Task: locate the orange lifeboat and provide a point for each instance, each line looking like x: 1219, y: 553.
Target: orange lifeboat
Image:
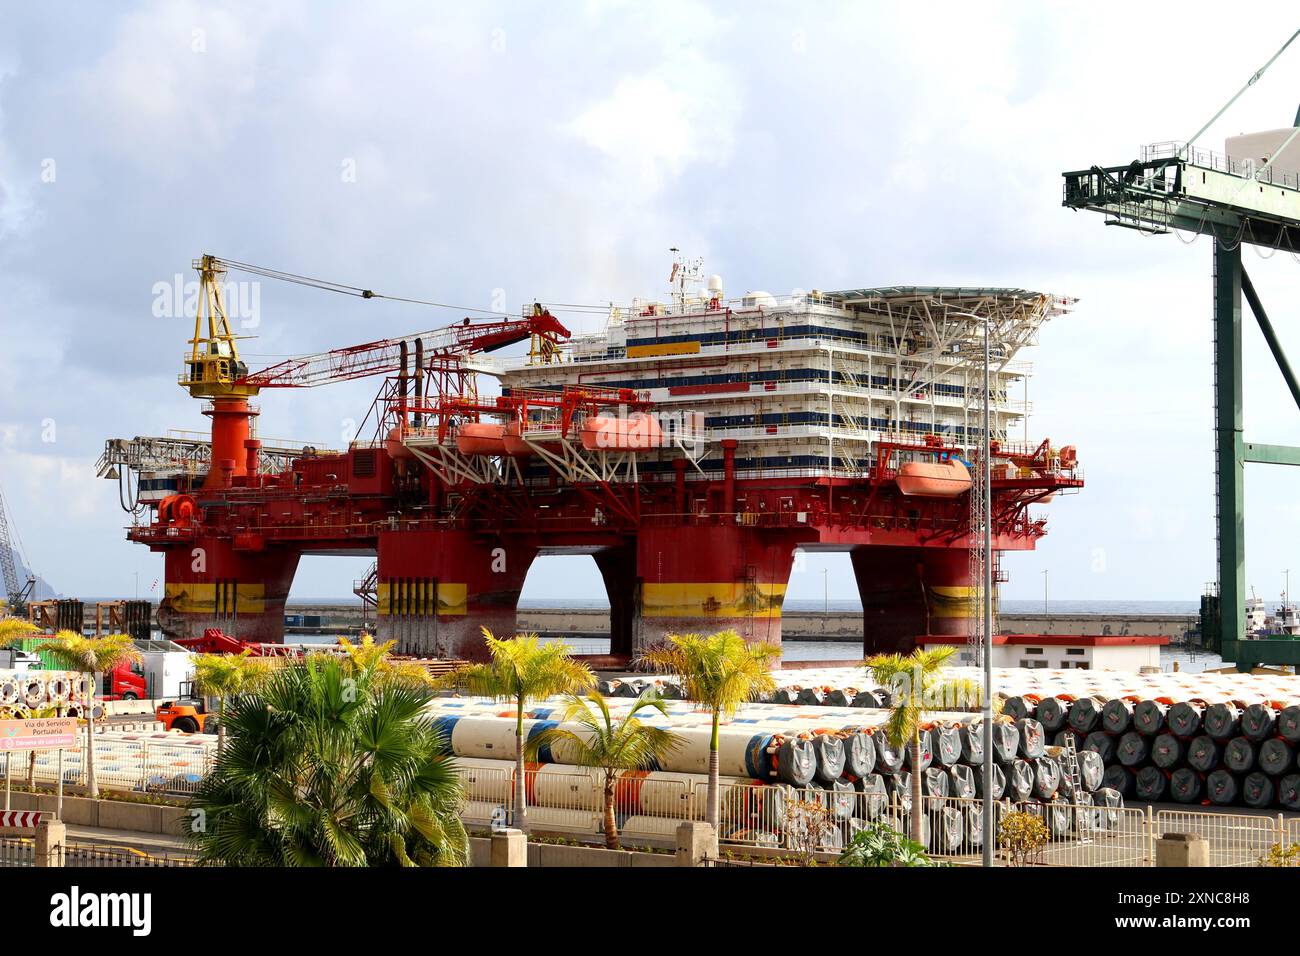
x: 634, y: 433
x: 514, y: 444
x: 481, y: 438
x: 938, y: 479
x: 394, y: 446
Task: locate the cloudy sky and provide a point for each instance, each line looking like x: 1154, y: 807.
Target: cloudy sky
x: 493, y: 153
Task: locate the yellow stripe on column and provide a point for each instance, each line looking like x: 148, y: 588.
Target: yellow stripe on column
x: 705, y: 599
x: 951, y: 602
x: 453, y: 599
x: 201, y: 597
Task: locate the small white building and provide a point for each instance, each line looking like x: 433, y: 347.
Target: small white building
x: 1102, y: 652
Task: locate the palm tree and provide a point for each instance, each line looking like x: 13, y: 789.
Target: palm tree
x: 369, y: 654
x: 522, y: 668
x: 224, y: 676
x: 14, y: 629
x: 328, y: 765
x: 720, y: 671
x: 91, y: 655
x: 913, y: 681
x: 609, y: 746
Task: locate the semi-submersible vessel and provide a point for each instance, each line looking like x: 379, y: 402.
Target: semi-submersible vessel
x: 691, y: 446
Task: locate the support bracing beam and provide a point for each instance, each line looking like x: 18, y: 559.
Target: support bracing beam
x: 1272, y: 454
x: 1265, y: 326
x: 1229, y: 450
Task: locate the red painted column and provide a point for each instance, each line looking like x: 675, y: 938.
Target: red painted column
x: 210, y: 583
x: 231, y: 422
x: 708, y: 578
x: 910, y: 592
x: 439, y: 588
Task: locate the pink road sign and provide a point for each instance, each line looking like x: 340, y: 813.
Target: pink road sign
x: 38, y: 733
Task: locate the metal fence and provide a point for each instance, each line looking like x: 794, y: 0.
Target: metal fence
x: 570, y: 800
x: 17, y: 851
x: 146, y: 765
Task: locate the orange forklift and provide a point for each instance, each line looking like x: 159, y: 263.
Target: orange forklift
x: 189, y: 713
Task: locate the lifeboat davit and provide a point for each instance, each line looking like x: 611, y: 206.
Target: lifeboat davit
x: 937, y: 479
x: 634, y: 433
x: 514, y: 443
x: 481, y: 438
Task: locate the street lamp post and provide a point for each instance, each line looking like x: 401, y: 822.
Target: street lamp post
x: 1045, y: 611
x: 990, y: 836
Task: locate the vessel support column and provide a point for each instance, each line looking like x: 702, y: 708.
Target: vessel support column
x: 1229, y: 451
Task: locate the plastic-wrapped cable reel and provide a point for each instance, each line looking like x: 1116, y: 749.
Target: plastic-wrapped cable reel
x: 1288, y: 724
x: 812, y: 696
x: 1151, y: 784
x: 1184, y: 718
x: 1053, y: 712
x: 1102, y: 744
x: 1117, y: 716
x: 1258, y: 722
x: 946, y: 830
x: 1032, y: 740
x: 866, y: 698
x: 1087, y: 818
x: 974, y: 815
x: 1120, y: 779
x: 999, y: 782
x: 840, y: 799
x: 1222, y: 721
x: 1257, y: 791
x: 934, y: 782
x: 972, y: 743
x: 1276, y: 756
x: 1167, y: 751
x: 927, y: 752
x: 1110, y: 803
x: 1204, y: 754
x: 1062, y: 738
x: 1239, y: 755
x: 1059, y: 817
x: 1091, y: 770
x: 946, y: 743
x: 889, y: 759
x: 1084, y: 715
x: 1020, y: 780
x: 830, y: 757
x: 1186, y: 785
x: 839, y: 697
x: 1288, y: 791
x: 1016, y: 707
x: 900, y: 790
x: 1047, y: 778
x: 783, y: 695
x: 1222, y: 788
x: 1132, y: 749
x: 1006, y: 742
x: 961, y: 781
x: 1149, y: 717
x: 859, y: 753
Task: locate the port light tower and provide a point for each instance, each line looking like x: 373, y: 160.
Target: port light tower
x: 1236, y: 201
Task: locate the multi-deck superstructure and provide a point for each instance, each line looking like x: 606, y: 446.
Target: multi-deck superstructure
x: 692, y: 447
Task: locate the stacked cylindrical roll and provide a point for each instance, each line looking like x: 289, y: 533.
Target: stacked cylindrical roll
x: 25, y: 693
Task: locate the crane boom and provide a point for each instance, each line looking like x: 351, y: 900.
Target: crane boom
x: 384, y: 356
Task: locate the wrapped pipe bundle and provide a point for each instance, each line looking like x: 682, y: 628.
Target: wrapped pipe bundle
x: 889, y: 759
x: 1062, y: 738
x: 1006, y: 742
x: 1102, y: 744
x: 866, y: 698
x: 1276, y: 757
x: 1020, y: 779
x: 1059, y: 818
x: 1288, y: 724
x: 961, y: 781
x: 829, y: 750
x: 840, y: 697
x: 1258, y: 722
x: 840, y: 798
x: 1204, y: 754
x: 1120, y: 779
x: 1018, y: 706
x: 1053, y: 712
x: 1288, y: 791
x: 1186, y: 785
x: 1085, y: 714
x: 999, y: 782
x: 796, y: 761
x: 1222, y: 721
x: 1091, y: 770
x: 1117, y: 716
x: 947, y: 830
x: 1167, y: 751
x: 900, y: 790
x: 1109, y: 802
x: 946, y: 742
x: 1152, y: 784
x: 1087, y: 818
x: 1149, y: 717
x: 1257, y: 790
x: 1047, y: 778
x: 783, y: 695
x: 1239, y: 755
x: 873, y: 797
x: 1132, y: 749
x: 1031, y: 738
x: 927, y: 752
x: 974, y: 820
x: 811, y: 695
x: 1222, y: 788
x: 934, y: 782
x: 859, y: 753
x: 1184, y: 718
x: 972, y: 743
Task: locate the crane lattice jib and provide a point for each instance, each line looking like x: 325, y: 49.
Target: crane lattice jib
x: 385, y: 356
x: 12, y: 591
